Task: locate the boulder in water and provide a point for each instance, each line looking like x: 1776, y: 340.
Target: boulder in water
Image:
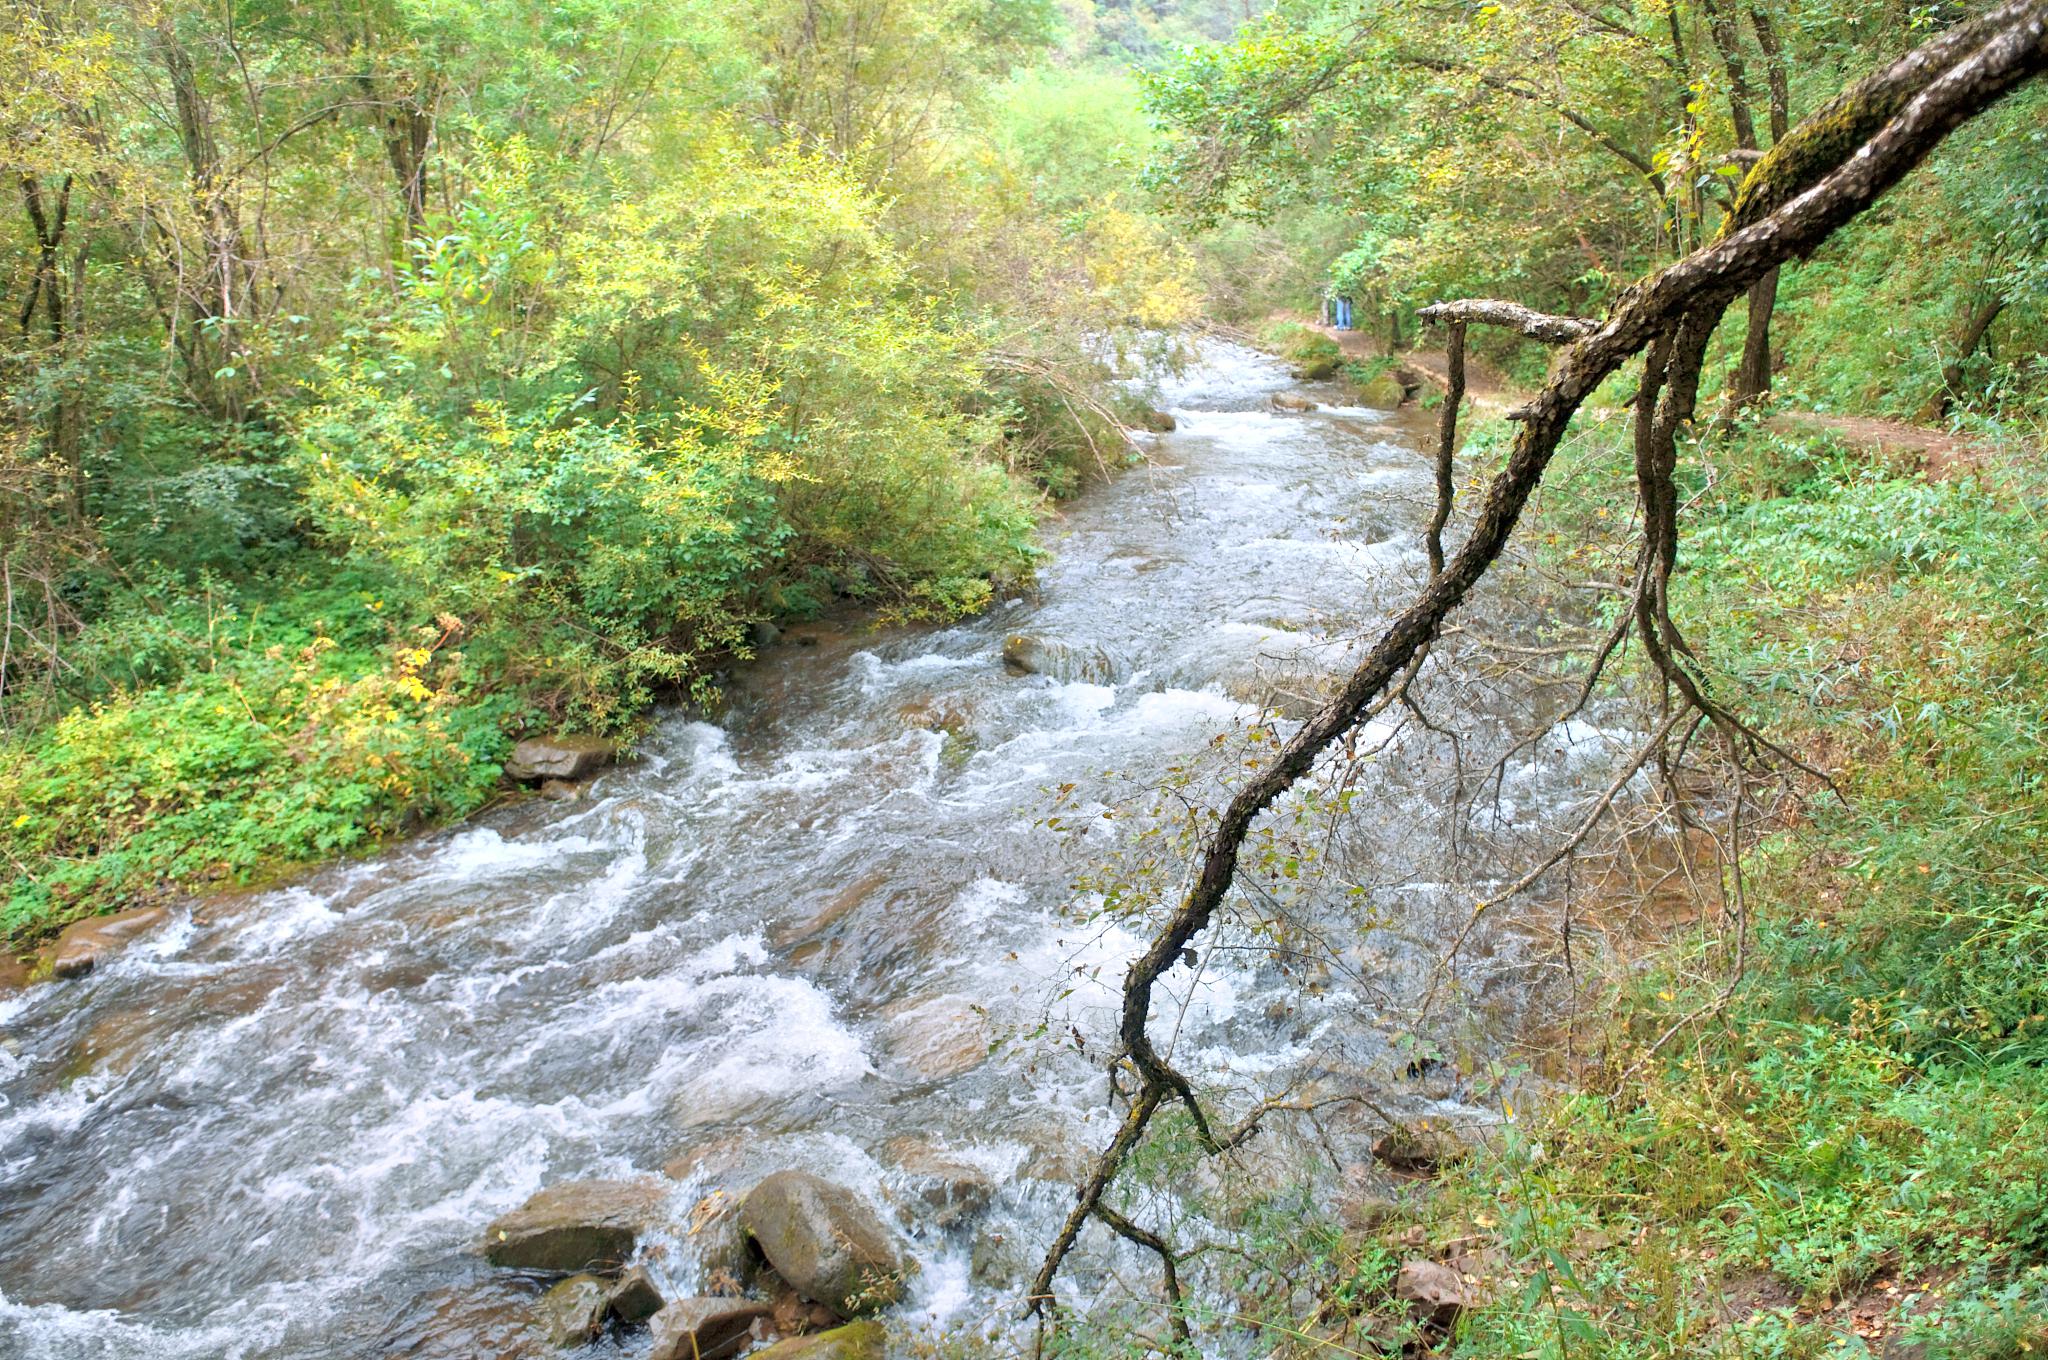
x: 826, y: 1242
x: 708, y: 1328
x: 1159, y: 422
x: 1383, y: 393
x: 855, y: 1341
x: 634, y: 1299
x: 566, y: 757
x: 572, y: 1313
x: 84, y: 944
x: 1292, y: 401
x: 575, y: 1226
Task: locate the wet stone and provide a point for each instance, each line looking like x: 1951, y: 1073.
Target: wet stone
x: 708, y: 1328
x: 951, y: 1188
x: 856, y: 1341
x: 575, y: 1226
x: 826, y: 1242
x: 84, y: 945
x: 565, y: 757
x: 1290, y: 401
x: 634, y: 1299
x: 572, y: 1313
x: 937, y: 1038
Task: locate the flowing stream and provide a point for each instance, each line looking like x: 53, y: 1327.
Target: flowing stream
x: 277, y: 1126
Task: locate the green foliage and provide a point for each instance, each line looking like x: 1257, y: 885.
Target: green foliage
x: 584, y: 340
x: 275, y: 745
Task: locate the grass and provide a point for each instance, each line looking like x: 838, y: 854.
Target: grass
x: 1854, y: 1146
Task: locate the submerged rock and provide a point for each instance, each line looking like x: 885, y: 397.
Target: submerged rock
x: 1062, y: 661
x: 951, y: 1188
x: 571, y: 757
x: 826, y: 1242
x: 855, y: 1341
x: 489, y: 1318
x: 708, y: 1328
x: 1291, y: 401
x: 84, y: 944
x: 572, y: 1313
x: 937, y: 1038
x: 575, y: 1226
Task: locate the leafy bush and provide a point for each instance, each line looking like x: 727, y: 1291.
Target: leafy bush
x: 279, y: 747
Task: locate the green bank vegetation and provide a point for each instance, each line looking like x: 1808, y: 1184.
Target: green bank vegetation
x: 393, y: 379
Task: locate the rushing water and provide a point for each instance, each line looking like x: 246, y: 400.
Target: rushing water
x: 276, y: 1127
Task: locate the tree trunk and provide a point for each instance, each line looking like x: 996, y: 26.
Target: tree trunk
x: 1973, y: 334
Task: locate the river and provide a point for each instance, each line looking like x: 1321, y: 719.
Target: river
x: 276, y: 1127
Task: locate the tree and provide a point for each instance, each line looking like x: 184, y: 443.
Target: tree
x: 1819, y: 177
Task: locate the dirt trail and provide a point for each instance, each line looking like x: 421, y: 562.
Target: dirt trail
x: 1940, y: 454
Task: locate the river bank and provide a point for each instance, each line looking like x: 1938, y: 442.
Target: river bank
x: 837, y: 919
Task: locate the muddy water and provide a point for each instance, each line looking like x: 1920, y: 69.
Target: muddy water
x: 276, y: 1127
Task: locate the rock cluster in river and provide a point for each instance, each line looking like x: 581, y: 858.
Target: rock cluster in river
x: 824, y: 1260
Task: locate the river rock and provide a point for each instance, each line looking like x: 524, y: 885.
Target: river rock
x: 1062, y: 661
x: 708, y: 1328
x: 935, y: 715
x: 795, y: 1315
x: 575, y: 1226
x: 14, y: 974
x: 1159, y: 422
x: 1419, y: 1146
x: 560, y: 790
x: 855, y: 1341
x: 1291, y: 401
x: 937, y: 1038
x: 491, y: 1318
x: 634, y: 1299
x: 84, y: 944
x: 568, y: 757
x: 572, y: 1313
x: 951, y: 1188
x: 1383, y: 393
x: 1318, y: 367
x: 826, y: 1242
x: 1434, y: 1292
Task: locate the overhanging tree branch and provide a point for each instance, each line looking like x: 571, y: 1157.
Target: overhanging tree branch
x: 1817, y: 179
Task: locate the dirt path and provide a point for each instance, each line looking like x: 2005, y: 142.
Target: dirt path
x: 1939, y: 454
